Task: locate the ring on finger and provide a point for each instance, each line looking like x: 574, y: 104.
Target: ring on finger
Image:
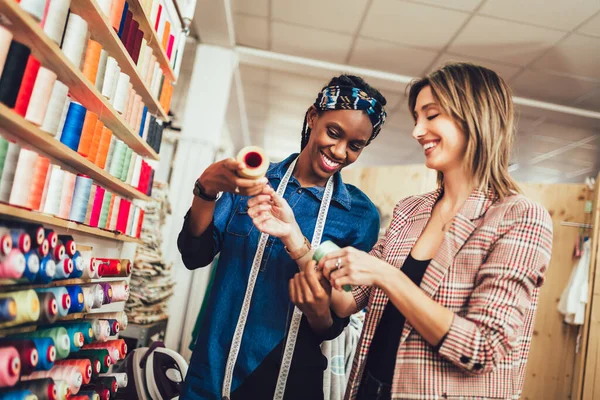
x: 338, y: 263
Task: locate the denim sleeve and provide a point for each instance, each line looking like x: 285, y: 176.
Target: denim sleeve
x: 367, y: 238
x: 199, y: 251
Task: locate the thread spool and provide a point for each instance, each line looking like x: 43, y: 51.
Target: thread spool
x: 102, y: 330
x: 8, y: 310
x: 71, y: 133
x: 28, y: 353
x: 113, y: 351
x: 91, y: 61
x: 63, y: 300
x: 104, y: 147
x: 12, y: 75
x: 111, y: 76
x: 48, y: 308
x: 12, y: 266
x: 120, y: 316
x: 87, y: 133
x: 81, y: 198
x: 47, y: 270
x: 88, y: 395
x: 100, y: 75
x: 56, y: 18
x: 83, y: 365
x: 10, y: 366
x: 255, y: 160
x: 52, y: 196
x: 98, y: 296
x: 59, y: 335
x: 88, y: 298
x: 18, y: 395
x: 28, y: 80
x: 5, y: 39
x: 32, y: 266
x: 46, y: 352
x: 78, y: 265
x: 3, y: 151
x: 66, y: 196
x: 95, y: 143
x: 89, y: 268
x: 62, y: 389
x: 109, y: 383
x: 129, y: 102
x: 75, y: 39
x: 6, y: 243
x: 114, y: 326
x: 8, y: 171
x: 69, y: 243
x: 325, y: 248
x: 42, y: 388
x: 105, y: 209
x: 96, y: 207
x: 126, y: 162
x: 68, y: 373
x: 20, y: 240
x: 121, y: 92
x: 120, y: 291
x: 23, y: 178
x: 111, y: 267
x: 85, y: 327
x: 76, y: 339
x: 56, y: 104
x: 28, y: 307
x: 35, y: 8
x: 38, y: 182
x: 101, y: 355
x: 118, y: 158
x: 77, y: 299
x: 63, y: 118
x: 110, y: 152
x: 108, y: 292
x: 40, y: 96
x: 114, y: 213
x: 43, y: 249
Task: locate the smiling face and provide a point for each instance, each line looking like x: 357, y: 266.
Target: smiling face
x: 337, y: 138
x: 444, y: 143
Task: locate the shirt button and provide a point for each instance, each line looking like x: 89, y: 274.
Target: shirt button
x: 464, y: 359
x: 299, y: 191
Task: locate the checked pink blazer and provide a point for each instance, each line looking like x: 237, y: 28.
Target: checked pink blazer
x: 488, y: 271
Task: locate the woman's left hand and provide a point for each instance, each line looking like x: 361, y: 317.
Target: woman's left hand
x: 349, y: 266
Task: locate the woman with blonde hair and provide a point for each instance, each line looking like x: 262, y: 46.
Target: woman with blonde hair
x: 452, y: 286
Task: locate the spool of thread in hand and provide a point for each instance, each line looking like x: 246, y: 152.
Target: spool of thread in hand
x: 29, y: 76
x: 48, y: 307
x: 120, y: 291
x: 23, y: 178
x: 325, y: 248
x: 60, y: 337
x: 75, y: 39
x: 8, y: 310
x: 47, y: 270
x: 38, y: 182
x: 81, y: 198
x: 83, y: 365
x: 5, y: 39
x: 71, y: 133
x: 56, y: 18
x: 12, y: 266
x: 10, y: 366
x: 56, y: 104
x: 42, y: 388
x: 46, y: 352
x: 21, y: 240
x: 63, y: 300
x: 255, y: 160
x: 32, y: 266
x: 77, y: 300
x: 28, y: 353
x: 40, y: 96
x: 12, y: 75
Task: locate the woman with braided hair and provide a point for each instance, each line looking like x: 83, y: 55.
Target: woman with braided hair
x: 252, y: 342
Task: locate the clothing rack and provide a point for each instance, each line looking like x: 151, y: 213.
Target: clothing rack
x: 577, y: 224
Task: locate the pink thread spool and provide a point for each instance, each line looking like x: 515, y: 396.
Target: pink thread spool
x: 13, y: 265
x: 10, y: 366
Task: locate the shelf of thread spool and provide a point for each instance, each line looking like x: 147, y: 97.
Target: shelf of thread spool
x: 16, y: 127
x: 152, y: 38
x: 8, y: 284
x: 27, y: 30
x: 7, y: 211
x: 104, y: 33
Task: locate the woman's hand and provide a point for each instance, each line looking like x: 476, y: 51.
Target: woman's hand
x: 272, y: 215
x: 311, y: 293
x: 222, y: 177
x: 349, y: 266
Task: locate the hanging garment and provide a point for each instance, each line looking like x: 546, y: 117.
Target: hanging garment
x: 575, y: 295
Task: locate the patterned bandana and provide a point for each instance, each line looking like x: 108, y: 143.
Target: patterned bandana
x: 347, y: 98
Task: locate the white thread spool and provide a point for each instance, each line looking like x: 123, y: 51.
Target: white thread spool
x: 55, y: 108
x: 146, y: 127
x: 137, y: 169
x: 89, y: 266
x: 103, y: 330
x: 135, y: 221
x: 156, y: 80
x: 120, y: 291
x: 113, y: 89
x: 49, y: 199
x: 113, y: 218
x: 130, y: 219
x: 129, y: 104
x: 54, y: 26
x: 8, y: 172
x: 120, y: 377
x: 132, y: 165
x: 35, y: 8
x: 137, y: 104
x: 149, y: 71
x: 81, y: 198
x: 145, y: 64
x: 98, y: 293
x: 23, y: 177
x: 40, y: 96
x: 122, y: 92
x: 5, y: 39
x: 88, y: 298
x: 66, y: 196
x: 142, y: 55
x: 111, y: 75
x: 63, y: 118
x: 105, y: 7
x: 75, y: 39
x: 101, y: 70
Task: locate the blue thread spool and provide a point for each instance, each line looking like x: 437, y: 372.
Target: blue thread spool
x: 46, y: 353
x: 8, y: 309
x: 63, y: 299
x: 82, y: 326
x: 77, y: 299
x: 141, y: 132
x: 81, y: 198
x: 47, y: 270
x: 78, y: 265
x: 18, y: 395
x: 114, y: 326
x: 21, y: 240
x: 73, y: 126
x: 32, y: 266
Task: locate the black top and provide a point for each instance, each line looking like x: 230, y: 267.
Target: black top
x: 384, y: 347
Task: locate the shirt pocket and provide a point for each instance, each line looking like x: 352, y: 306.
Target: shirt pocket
x: 240, y: 223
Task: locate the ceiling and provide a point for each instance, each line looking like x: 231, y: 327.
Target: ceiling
x: 547, y: 50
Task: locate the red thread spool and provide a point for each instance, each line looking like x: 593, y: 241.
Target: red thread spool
x: 22, y: 242
x: 52, y: 238
x: 28, y: 353
x: 31, y: 71
x: 58, y: 252
x: 109, y: 266
x: 256, y: 161
x: 69, y: 243
x: 84, y: 366
x: 6, y: 243
x: 44, y: 248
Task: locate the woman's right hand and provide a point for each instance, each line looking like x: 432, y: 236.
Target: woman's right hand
x: 272, y: 215
x: 222, y: 177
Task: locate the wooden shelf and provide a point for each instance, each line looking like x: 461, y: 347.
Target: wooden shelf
x: 152, y: 38
x: 28, y: 31
x: 13, y: 126
x: 45, y: 219
x: 23, y: 284
x: 103, y: 32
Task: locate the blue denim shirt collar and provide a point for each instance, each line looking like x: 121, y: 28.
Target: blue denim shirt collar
x: 340, y: 191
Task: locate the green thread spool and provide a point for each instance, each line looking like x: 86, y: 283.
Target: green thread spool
x: 105, y: 209
x: 82, y: 326
x: 118, y: 157
x: 127, y: 161
x: 325, y: 248
x: 3, y: 152
x: 62, y: 343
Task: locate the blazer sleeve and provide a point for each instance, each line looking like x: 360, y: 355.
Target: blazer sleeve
x: 506, y: 287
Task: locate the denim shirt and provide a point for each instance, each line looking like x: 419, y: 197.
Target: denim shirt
x: 352, y: 220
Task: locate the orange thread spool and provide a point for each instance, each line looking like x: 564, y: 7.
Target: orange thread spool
x: 87, y: 133
x: 91, y: 61
x: 103, y: 147
x: 40, y: 172
x: 95, y: 144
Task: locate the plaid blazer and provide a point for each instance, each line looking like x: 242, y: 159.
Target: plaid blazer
x: 488, y: 271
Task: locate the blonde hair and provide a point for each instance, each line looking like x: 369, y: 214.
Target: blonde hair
x: 480, y: 103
